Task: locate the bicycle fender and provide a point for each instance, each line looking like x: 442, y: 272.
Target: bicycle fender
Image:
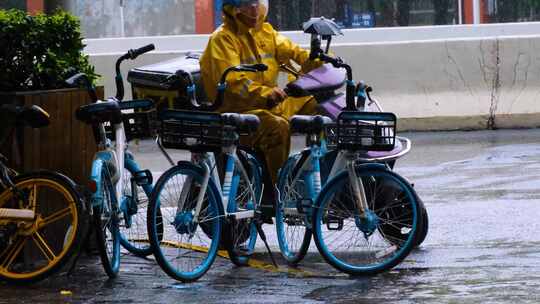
x: 371, y: 166
x: 100, y: 160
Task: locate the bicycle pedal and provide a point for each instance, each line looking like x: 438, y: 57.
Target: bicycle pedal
x: 304, y: 205
x: 243, y: 252
x: 334, y: 224
x: 142, y: 178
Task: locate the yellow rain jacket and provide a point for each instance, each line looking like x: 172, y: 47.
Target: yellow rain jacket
x: 234, y: 43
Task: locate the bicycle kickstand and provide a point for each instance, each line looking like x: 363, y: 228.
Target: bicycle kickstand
x: 260, y: 231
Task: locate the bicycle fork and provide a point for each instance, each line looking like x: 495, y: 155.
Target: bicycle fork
x: 366, y: 220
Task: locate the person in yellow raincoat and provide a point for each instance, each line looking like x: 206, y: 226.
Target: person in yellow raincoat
x: 245, y: 38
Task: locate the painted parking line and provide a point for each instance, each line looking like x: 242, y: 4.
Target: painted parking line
x: 253, y: 263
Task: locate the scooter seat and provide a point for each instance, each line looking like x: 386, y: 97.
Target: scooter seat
x: 244, y: 123
x: 99, y: 112
x: 305, y: 124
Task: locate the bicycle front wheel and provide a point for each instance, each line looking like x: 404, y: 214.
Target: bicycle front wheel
x: 362, y: 243
x: 133, y: 228
x: 292, y: 222
x: 184, y: 243
x: 106, y: 224
x: 33, y: 250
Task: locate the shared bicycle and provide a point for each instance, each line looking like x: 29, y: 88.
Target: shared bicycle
x: 41, y: 212
x: 119, y: 188
x: 198, y: 207
x: 364, y: 218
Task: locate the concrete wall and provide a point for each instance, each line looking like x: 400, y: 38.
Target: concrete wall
x: 440, y: 83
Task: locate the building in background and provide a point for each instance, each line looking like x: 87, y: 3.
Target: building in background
x: 129, y: 18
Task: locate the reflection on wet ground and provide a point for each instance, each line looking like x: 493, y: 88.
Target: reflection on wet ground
x: 482, y: 192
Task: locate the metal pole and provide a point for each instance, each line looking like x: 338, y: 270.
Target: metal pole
x: 476, y: 11
x: 122, y: 25
x: 460, y: 11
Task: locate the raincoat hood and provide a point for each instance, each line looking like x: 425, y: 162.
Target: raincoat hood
x: 231, y: 20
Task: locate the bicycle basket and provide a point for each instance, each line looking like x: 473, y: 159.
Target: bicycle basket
x: 365, y: 131
x: 188, y: 130
x: 140, y: 124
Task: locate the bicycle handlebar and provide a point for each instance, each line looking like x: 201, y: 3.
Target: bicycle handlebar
x: 131, y: 54
x: 81, y: 79
x: 221, y: 86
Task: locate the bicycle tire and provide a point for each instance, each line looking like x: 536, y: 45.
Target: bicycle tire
x: 168, y: 226
x: 106, y: 224
x: 393, y: 230
x: 241, y: 236
x: 53, y: 186
x: 135, y: 238
x: 291, y: 250
x: 333, y: 207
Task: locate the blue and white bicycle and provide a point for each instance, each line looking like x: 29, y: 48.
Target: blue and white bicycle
x: 364, y: 218
x: 120, y: 189
x: 196, y: 209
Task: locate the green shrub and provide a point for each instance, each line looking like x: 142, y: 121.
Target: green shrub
x: 40, y: 52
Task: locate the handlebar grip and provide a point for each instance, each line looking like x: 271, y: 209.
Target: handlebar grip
x: 261, y: 67
x: 76, y: 79
x: 137, y: 52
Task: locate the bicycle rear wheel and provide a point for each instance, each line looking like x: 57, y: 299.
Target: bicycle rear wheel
x: 185, y: 246
x: 31, y: 251
x: 293, y: 228
x: 106, y: 224
x: 360, y: 245
x: 133, y: 228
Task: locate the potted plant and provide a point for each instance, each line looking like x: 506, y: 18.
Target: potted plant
x: 38, y: 53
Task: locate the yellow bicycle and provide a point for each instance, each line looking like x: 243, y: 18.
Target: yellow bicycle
x: 40, y: 212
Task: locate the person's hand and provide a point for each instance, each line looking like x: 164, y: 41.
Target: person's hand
x: 276, y: 97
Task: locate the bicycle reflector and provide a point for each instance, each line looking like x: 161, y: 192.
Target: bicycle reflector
x: 92, y: 186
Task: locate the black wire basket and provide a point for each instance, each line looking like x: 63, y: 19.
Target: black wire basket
x: 362, y: 131
x: 188, y: 130
x: 140, y: 123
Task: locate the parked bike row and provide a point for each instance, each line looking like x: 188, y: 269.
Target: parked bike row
x: 339, y: 191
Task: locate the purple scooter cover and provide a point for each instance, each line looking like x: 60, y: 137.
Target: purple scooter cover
x: 324, y: 78
x: 333, y: 106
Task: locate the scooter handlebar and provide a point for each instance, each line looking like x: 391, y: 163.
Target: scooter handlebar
x: 132, y: 54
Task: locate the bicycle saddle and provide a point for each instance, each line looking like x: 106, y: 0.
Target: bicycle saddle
x: 32, y: 116
x: 136, y: 104
x: 99, y: 112
x: 306, y: 124
x: 244, y: 123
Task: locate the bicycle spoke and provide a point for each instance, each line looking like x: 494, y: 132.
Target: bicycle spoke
x: 43, y: 247
x: 58, y: 215
x: 12, y: 252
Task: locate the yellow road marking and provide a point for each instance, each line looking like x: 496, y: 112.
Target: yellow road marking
x: 253, y: 263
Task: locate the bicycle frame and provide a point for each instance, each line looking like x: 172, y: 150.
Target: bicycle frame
x: 109, y: 155
x: 345, y: 160
x: 227, y: 191
x: 7, y: 185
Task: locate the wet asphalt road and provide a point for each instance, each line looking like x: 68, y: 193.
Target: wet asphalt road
x: 482, y: 192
